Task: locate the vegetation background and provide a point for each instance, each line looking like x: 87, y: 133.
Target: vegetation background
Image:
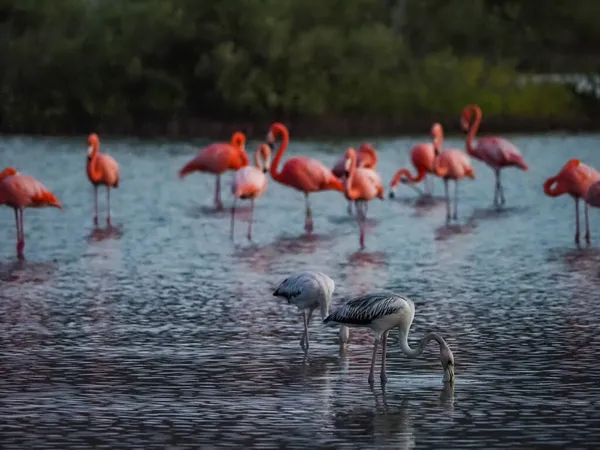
x: 185, y: 67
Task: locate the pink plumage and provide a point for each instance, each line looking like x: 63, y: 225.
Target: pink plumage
x: 102, y: 170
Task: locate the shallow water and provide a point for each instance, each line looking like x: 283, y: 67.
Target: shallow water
x: 163, y: 333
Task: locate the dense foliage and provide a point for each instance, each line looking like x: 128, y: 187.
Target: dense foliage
x: 69, y: 64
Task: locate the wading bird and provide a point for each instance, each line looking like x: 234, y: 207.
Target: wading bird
x: 102, y: 169
x: 217, y: 159
x: 250, y: 183
x: 361, y: 186
x: 382, y: 311
x: 308, y: 291
x: 574, y: 179
x: 496, y: 152
x: 366, y: 158
x: 304, y: 174
x: 19, y: 192
x: 422, y: 157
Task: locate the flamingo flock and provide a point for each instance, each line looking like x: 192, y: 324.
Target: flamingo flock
x: 354, y: 174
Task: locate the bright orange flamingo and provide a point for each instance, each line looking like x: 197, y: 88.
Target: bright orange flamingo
x: 423, y: 158
x: 250, y: 182
x: 574, y: 179
x: 496, y: 152
x: 452, y: 164
x: 367, y: 158
x: 102, y: 169
x: 304, y: 174
x: 361, y: 186
x: 19, y: 192
x: 217, y: 159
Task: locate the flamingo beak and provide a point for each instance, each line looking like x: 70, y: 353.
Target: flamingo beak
x: 90, y: 150
x: 464, y: 124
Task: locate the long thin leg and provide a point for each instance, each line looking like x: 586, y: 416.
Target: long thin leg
x: 500, y: 189
x: 577, y: 221
x: 304, y: 340
x: 350, y: 207
x: 362, y: 223
x: 251, y: 219
x: 447, y: 200
x: 233, y: 216
x: 496, y: 189
x: 21, y: 243
x: 308, y: 222
x: 18, y: 227
x: 107, y: 205
x: 95, y: 205
x: 383, y: 355
x: 587, y: 224
x: 218, y: 203
x: 373, y: 360
x: 455, y: 199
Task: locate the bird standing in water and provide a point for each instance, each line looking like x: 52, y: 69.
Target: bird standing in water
x: 102, y: 169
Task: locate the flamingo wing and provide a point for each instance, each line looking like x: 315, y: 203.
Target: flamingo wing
x: 499, y: 152
x: 249, y: 182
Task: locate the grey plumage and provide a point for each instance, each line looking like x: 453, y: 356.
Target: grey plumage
x: 362, y: 310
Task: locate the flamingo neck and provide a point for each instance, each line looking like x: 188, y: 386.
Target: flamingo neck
x: 350, y: 178
x: 553, y: 187
x: 95, y: 173
x: 473, y: 130
x: 285, y: 140
x: 9, y: 171
x: 408, y: 176
x: 416, y: 352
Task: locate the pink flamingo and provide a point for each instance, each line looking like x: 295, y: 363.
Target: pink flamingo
x: 102, y: 169
x: 576, y: 180
x: 361, y: 186
x: 217, y: 159
x: 451, y: 164
x: 367, y: 158
x: 19, y: 192
x: 304, y: 174
x: 496, y: 152
x: 423, y: 158
x: 250, y: 182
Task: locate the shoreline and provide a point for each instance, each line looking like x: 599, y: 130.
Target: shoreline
x: 312, y: 128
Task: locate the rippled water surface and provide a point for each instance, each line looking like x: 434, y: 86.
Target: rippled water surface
x: 163, y: 333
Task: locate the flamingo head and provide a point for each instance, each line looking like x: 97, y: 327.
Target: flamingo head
x: 349, y: 157
x: 437, y: 134
x: 263, y: 158
x: 93, y: 143
x: 238, y: 139
x: 469, y: 113
x: 278, y: 131
x: 8, y: 172
x: 447, y: 359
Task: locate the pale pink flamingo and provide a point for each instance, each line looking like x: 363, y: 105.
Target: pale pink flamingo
x: 451, y: 164
x: 102, y: 169
x: 304, y: 174
x: 422, y: 157
x: 217, y: 159
x: 361, y: 186
x: 496, y: 152
x: 19, y: 192
x: 250, y: 182
x: 366, y: 157
x: 574, y: 179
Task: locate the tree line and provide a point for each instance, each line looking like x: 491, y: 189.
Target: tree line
x: 70, y: 65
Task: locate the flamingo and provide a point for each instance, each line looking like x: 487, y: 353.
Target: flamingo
x: 451, y: 164
x: 592, y: 197
x: 576, y: 180
x: 304, y: 174
x: 19, y: 192
x: 381, y: 311
x: 217, y: 159
x: 496, y: 152
x: 367, y: 158
x: 250, y: 182
x: 308, y: 291
x: 361, y: 186
x: 423, y: 158
x: 102, y: 169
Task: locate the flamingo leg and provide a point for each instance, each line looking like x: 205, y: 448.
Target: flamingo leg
x: 18, y: 227
x: 447, y: 200
x: 383, y: 356
x: 251, y: 219
x: 375, y: 343
x: 587, y: 224
x: 95, y: 205
x: 21, y: 232
x: 308, y: 222
x: 360, y: 219
x: 304, y: 340
x: 500, y: 189
x: 577, y: 221
x: 455, y: 199
x: 218, y: 203
x: 350, y: 207
x: 107, y: 205
x: 233, y: 216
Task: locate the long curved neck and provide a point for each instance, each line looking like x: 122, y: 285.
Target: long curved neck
x: 438, y: 168
x: 285, y: 140
x: 258, y: 160
x: 410, y: 177
x: 367, y: 156
x: 553, y: 187
x: 473, y: 130
x: 415, y: 352
x: 350, y: 178
x: 9, y: 171
x: 95, y: 173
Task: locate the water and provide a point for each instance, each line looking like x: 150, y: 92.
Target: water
x: 164, y: 333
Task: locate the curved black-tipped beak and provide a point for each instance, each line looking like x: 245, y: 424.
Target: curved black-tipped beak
x: 271, y: 145
x: 265, y: 170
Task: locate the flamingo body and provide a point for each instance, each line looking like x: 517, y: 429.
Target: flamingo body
x: 453, y: 164
x: 19, y: 192
x: 592, y: 198
x: 102, y: 170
